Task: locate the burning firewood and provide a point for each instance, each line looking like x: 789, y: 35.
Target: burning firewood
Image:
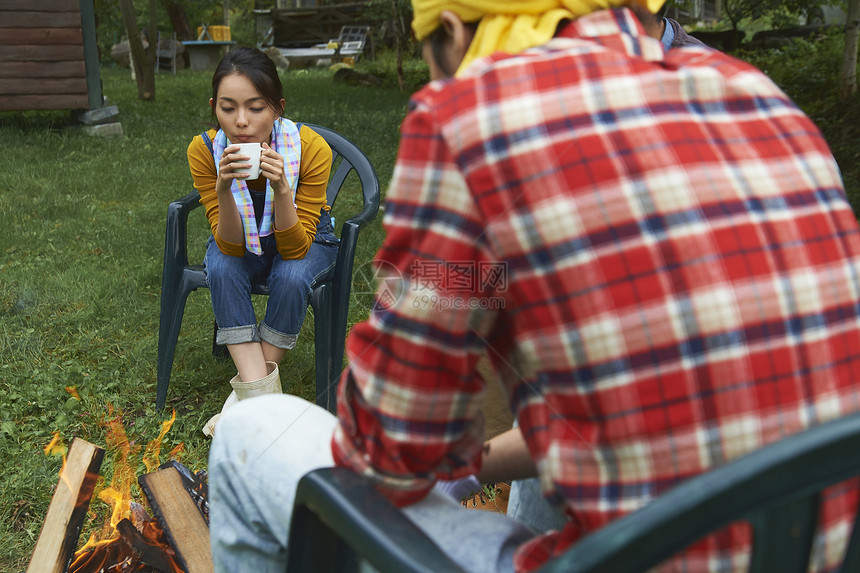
x: 131, y: 541
x: 62, y: 525
x: 181, y: 517
x: 152, y: 552
x: 139, y: 546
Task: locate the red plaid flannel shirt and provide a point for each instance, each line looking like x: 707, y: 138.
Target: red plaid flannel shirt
x: 656, y: 253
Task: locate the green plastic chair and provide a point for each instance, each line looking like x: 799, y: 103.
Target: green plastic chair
x: 329, y: 299
x: 339, y: 516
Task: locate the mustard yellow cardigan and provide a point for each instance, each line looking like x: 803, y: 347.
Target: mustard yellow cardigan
x: 293, y: 243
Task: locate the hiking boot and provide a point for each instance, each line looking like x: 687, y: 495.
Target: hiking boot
x: 491, y: 497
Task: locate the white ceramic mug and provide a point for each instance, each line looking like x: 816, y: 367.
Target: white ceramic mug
x: 253, y: 150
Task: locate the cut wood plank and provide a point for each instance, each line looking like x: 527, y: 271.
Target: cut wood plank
x: 34, y: 19
x: 183, y: 525
x: 41, y: 53
x: 43, y: 86
x: 62, y: 526
x: 65, y: 101
x: 43, y: 5
x: 27, y: 70
x: 40, y: 36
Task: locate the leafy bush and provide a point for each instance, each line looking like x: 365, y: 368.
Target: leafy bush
x: 808, y: 71
x: 415, y: 71
x: 390, y: 21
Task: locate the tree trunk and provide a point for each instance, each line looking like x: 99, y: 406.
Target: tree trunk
x: 178, y: 19
x: 848, y: 79
x: 151, y: 57
x: 398, y: 42
x: 142, y: 60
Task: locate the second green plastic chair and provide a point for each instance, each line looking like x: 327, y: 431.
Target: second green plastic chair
x: 329, y: 300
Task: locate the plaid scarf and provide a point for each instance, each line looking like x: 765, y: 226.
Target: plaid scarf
x: 288, y: 144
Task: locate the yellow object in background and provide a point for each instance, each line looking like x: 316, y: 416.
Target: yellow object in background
x: 220, y: 33
x: 214, y: 33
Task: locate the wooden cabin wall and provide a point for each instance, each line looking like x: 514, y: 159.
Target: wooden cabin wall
x: 43, y: 56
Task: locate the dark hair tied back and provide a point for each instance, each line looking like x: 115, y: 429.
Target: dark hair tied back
x: 258, y: 68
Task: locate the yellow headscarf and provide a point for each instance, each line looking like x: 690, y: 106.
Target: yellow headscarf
x: 510, y: 26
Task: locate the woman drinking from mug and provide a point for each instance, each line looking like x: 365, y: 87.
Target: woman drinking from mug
x: 275, y: 228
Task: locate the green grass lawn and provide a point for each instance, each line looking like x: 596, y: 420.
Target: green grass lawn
x: 81, y: 255
x: 80, y: 276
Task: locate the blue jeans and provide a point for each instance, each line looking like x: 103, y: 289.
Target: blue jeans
x: 290, y: 285
x: 263, y: 447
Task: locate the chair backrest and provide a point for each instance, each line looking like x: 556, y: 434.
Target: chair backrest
x: 353, y: 37
x: 346, y: 157
x: 777, y: 489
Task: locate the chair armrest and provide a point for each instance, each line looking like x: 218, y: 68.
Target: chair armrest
x: 370, y: 206
x: 176, y: 232
x: 356, y: 161
x: 353, y: 513
x: 187, y: 203
x: 367, y: 213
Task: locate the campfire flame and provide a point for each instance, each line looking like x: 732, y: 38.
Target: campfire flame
x: 118, y: 494
x: 129, y: 540
x: 153, y: 448
x: 56, y: 447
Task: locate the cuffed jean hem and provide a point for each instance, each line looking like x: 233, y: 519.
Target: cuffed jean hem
x: 237, y: 334
x: 277, y: 339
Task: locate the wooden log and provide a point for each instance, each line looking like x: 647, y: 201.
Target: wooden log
x: 18, y: 70
x: 182, y: 522
x: 34, y: 19
x: 43, y: 86
x: 64, y: 101
x: 40, y: 36
x: 62, y: 526
x: 41, y: 53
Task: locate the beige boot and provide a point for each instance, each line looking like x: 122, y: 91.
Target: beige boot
x: 270, y: 384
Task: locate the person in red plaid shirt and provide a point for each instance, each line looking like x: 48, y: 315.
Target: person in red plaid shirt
x: 653, y: 248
